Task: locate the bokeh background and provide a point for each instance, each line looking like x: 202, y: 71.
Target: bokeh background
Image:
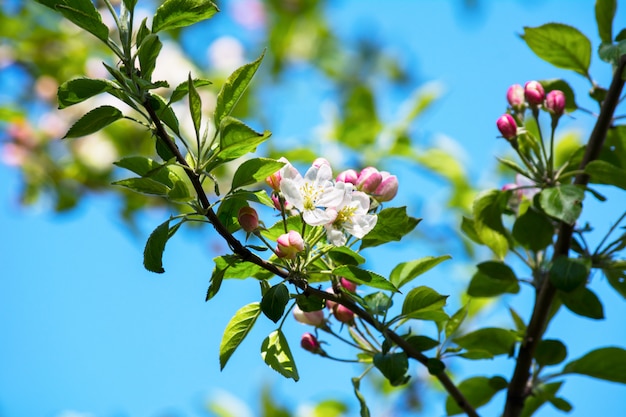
x: 86, y: 331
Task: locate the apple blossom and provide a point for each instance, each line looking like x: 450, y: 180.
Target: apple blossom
x: 313, y: 318
x: 350, y: 215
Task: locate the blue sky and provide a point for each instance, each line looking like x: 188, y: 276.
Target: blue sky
x: 85, y: 328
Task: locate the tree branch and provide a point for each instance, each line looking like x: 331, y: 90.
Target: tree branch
x: 518, y: 386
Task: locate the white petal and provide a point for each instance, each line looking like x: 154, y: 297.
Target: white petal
x: 318, y: 217
x: 291, y: 191
x: 359, y: 226
x: 335, y: 236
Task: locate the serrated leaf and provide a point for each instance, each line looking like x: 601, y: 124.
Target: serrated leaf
x: 237, y: 329
x: 405, y: 272
x: 254, y: 170
x: 237, y: 139
x: 487, y: 209
x: 364, y: 277
x: 179, y: 13
x: 78, y: 90
x: 608, y: 363
x: 563, y: 202
x: 583, y: 302
x: 166, y: 114
x: 392, y: 225
x: 233, y: 89
x: 155, y: 246
x: 550, y: 352
x: 148, y: 52
x: 93, y: 121
x: 491, y: 339
x: 274, y: 302
x: 478, y: 391
x: 276, y: 353
x: 567, y: 274
x: 602, y: 172
x: 605, y: 12
x: 424, y: 303
x: 561, y: 45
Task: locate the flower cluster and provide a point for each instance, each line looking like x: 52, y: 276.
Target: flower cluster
x: 532, y: 95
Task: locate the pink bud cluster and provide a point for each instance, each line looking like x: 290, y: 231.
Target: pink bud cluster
x: 531, y: 95
x: 380, y: 185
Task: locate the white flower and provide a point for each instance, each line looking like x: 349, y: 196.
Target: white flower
x: 312, y: 193
x: 351, y: 216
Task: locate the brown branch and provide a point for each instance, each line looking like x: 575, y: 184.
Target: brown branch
x: 519, y: 387
x: 246, y: 255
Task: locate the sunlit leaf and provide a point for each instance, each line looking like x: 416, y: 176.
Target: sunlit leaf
x: 487, y: 209
x: 605, y: 12
x: 393, y: 224
x: 254, y: 170
x: 362, y: 276
x: 276, y: 353
x: 237, y: 329
x: 602, y: 172
x: 179, y: 13
x: 563, y: 202
x: 78, y: 90
x: 407, y: 271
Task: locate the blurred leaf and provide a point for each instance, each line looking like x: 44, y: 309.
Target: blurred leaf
x: 274, y: 302
x: 617, y: 279
x: 541, y: 394
x: 237, y: 329
x: 155, y: 246
x: 563, y: 202
x: 329, y: 408
x: 276, y: 353
x: 519, y: 322
x: 93, y: 121
x: 561, y: 45
x: 487, y: 209
x: 393, y: 224
x: 491, y: 339
x: 360, y: 125
x: 393, y: 366
x: 179, y: 13
x: 533, y: 230
x: 558, y: 84
x: 407, y: 271
x: 608, y: 363
x: 602, y: 172
x: 550, y: 352
x: 611, y: 53
x: 422, y: 343
x: 378, y: 303
x: 233, y: 89
x: 254, y: 170
x: 364, y: 411
x: 583, y: 302
x: 567, y: 274
x: 478, y: 391
x: 493, y: 278
x: 78, y: 90
x: 362, y: 276
x: 561, y: 404
x: 605, y: 12
x: 455, y: 321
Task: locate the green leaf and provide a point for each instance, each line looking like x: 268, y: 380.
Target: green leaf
x: 392, y: 225
x: 617, y: 279
x: 407, y: 271
x: 567, y: 274
x: 561, y: 404
x: 155, y: 246
x: 455, y: 321
x: 93, y: 121
x: 274, y: 302
x: 493, y: 278
x: 478, y: 391
x: 146, y: 167
x: 360, y: 125
x: 487, y: 209
x: 469, y: 230
x: 608, y: 363
x: 563, y: 202
x: 147, y: 54
x: 84, y: 15
x: 237, y: 139
x: 364, y: 411
x: 362, y: 276
x: 533, y: 230
x: 219, y: 270
x: 541, y: 394
x: 195, y: 107
x: 602, y: 172
x: 550, y: 352
x: 561, y: 45
x: 179, y: 13
x: 422, y: 302
x: 329, y: 408
x: 435, y: 366
x: 378, y: 303
x: 237, y: 329
x: 393, y: 366
x: 491, y: 339
x: 310, y: 303
x: 275, y: 352
x: 144, y: 186
x: 233, y: 89
x: 166, y: 114
x: 254, y: 170
x: 234, y: 267
x: 605, y: 12
x: 422, y: 343
x: 583, y: 302
x: 343, y: 255
x: 558, y: 84
x: 182, y: 89
x: 78, y: 90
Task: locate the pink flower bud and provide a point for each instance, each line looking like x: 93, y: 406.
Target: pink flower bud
x: 248, y: 219
x: 313, y: 318
x: 507, y: 126
x: 343, y: 314
x: 319, y: 162
x: 534, y: 93
x: 274, y: 180
x: 348, y: 285
x: 555, y: 102
x: 286, y: 204
x: 515, y: 96
x: 329, y: 303
x: 310, y: 343
x: 388, y: 187
x: 289, y: 245
x: 369, y: 179
x: 348, y: 175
